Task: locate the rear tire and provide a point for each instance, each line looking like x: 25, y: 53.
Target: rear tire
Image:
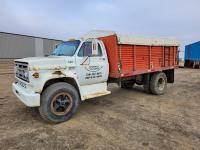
x: 158, y: 83
x: 59, y: 102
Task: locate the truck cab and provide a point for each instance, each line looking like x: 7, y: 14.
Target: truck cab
x: 80, y: 65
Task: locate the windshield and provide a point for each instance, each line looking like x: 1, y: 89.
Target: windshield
x: 66, y: 48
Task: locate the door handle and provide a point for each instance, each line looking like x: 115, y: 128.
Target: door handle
x: 102, y: 59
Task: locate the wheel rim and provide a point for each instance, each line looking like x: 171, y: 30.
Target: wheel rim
x: 61, y: 103
x: 161, y: 84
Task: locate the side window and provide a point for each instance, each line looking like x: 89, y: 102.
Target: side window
x: 99, y: 50
x: 85, y: 50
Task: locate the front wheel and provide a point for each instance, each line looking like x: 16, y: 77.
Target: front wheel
x: 158, y: 83
x: 59, y: 102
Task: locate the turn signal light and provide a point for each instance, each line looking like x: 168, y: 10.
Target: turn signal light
x: 36, y: 75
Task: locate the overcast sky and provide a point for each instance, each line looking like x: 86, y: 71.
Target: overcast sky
x: 64, y: 19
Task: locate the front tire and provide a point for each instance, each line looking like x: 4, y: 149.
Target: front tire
x: 158, y: 83
x: 59, y: 102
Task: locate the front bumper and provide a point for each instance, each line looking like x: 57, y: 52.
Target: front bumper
x: 29, y: 98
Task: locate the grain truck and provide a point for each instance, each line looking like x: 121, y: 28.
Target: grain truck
x: 81, y: 69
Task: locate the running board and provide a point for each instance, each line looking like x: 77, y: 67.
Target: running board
x: 97, y: 94
x: 93, y: 90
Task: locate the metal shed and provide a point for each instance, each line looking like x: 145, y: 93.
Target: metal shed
x: 19, y: 46
x: 192, y: 55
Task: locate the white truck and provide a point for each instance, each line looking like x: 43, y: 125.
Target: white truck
x: 81, y: 69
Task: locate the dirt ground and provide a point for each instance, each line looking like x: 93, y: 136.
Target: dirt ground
x: 126, y: 119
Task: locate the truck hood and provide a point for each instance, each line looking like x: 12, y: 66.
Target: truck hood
x: 43, y: 63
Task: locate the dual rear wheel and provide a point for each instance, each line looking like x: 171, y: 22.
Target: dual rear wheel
x: 158, y: 83
x: 155, y: 84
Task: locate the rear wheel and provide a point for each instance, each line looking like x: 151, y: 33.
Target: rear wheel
x: 158, y: 83
x: 59, y: 102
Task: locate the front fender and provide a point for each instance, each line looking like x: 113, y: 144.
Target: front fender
x: 48, y: 77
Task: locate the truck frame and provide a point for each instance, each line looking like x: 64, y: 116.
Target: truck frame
x: 81, y: 69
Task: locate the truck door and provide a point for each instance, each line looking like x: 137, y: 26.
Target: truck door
x: 92, y: 65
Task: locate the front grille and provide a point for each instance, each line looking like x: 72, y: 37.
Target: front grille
x: 21, y: 71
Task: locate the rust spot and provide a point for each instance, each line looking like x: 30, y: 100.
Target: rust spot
x: 58, y: 72
x: 36, y: 68
x: 39, y: 92
x: 57, y: 68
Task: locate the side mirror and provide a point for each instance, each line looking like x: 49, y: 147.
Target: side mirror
x: 94, y: 48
